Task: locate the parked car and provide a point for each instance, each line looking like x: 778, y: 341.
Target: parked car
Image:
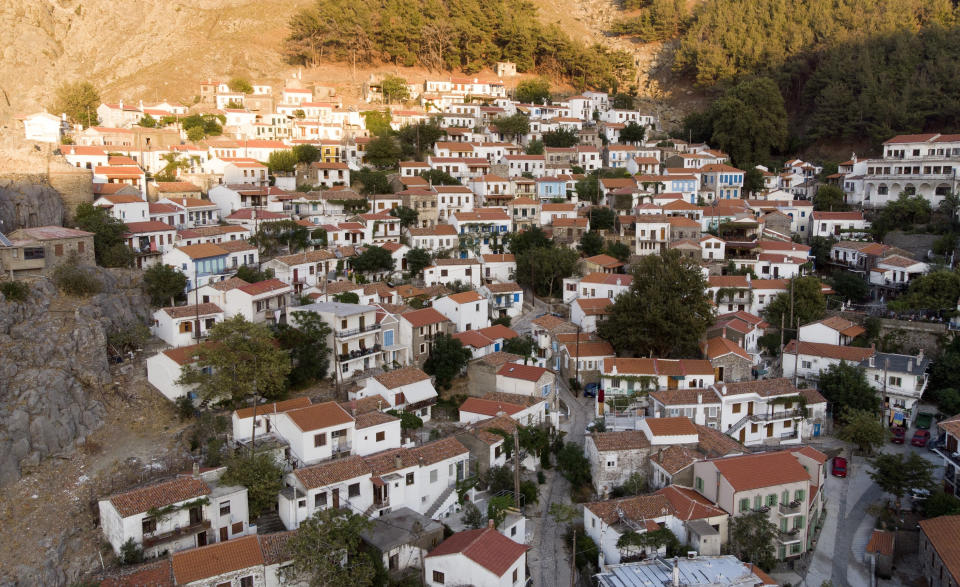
x: 591, y: 390
x: 899, y: 434
x: 924, y: 421
x: 920, y: 438
x: 919, y: 494
x: 839, y: 468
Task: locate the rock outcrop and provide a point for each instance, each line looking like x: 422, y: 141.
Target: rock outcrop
x: 28, y: 204
x: 55, y: 365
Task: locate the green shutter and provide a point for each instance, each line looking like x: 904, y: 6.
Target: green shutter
x: 744, y: 504
x: 783, y: 524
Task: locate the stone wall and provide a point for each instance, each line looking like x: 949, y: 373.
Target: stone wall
x: 906, y: 335
x: 55, y: 364
x: 25, y: 204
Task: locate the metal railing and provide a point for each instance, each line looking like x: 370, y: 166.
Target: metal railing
x: 784, y: 415
x: 791, y: 508
x: 358, y: 353
x: 356, y: 331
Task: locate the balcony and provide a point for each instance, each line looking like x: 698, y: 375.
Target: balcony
x: 340, y: 448
x: 359, y: 353
x: 177, y: 533
x: 784, y: 415
x: 502, y: 304
x: 789, y: 536
x: 341, y: 334
x: 791, y: 508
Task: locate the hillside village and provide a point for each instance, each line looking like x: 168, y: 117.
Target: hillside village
x: 480, y: 340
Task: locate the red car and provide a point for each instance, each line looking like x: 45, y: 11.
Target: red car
x: 839, y: 468
x: 920, y: 438
x: 899, y: 435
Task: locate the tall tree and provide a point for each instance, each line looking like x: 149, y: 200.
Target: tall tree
x: 665, y: 313
x: 753, y: 181
x: 562, y: 137
x: 591, y: 243
x: 751, y: 539
x: 306, y: 341
x: 239, y: 84
x: 373, y: 260
x: 846, y: 386
x: 809, y: 304
x: 383, y: 152
x: 418, y: 260
x: 513, y: 126
x: 533, y: 91
x: 407, y: 216
x: 79, y: 101
x: 282, y: 161
x: 240, y: 360
x: 394, y: 89
x: 448, y: 357
x: 109, y: 245
x: 601, y: 218
x: 371, y: 182
x: 935, y: 291
x: 750, y: 121
x: 632, y: 134
x: 261, y: 474
x: 164, y: 284
x: 830, y: 198
x: 530, y: 238
x: 862, y: 428
x: 544, y: 268
x: 322, y: 543
x: 306, y: 153
x: 896, y: 474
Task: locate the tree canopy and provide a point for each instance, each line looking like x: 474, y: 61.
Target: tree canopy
x: 306, y: 340
x: 750, y: 122
x: 407, y: 216
x: 562, y: 137
x: 846, y: 386
x: 318, y: 548
x: 394, y: 89
x: 282, y: 161
x: 863, y: 428
x: 164, y: 284
x: 830, y: 198
x: 240, y: 359
x: 897, y: 474
x: 591, y: 243
x: 937, y: 290
x: 665, y: 313
x: 543, y: 268
x: 462, y: 35
x: 109, y: 245
x: 447, y: 359
x: 373, y: 259
x: 261, y: 474
x: 752, y: 537
x: 383, y: 152
x: 533, y: 91
x: 418, y: 260
x: 513, y: 126
x: 809, y: 304
x: 239, y: 84
x: 79, y: 101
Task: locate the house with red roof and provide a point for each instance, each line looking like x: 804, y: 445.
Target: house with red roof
x: 185, y: 325
x: 527, y: 380
x: 418, y: 330
x: 483, y: 558
x: 467, y: 310
x: 785, y: 486
x: 263, y: 301
x: 585, y: 312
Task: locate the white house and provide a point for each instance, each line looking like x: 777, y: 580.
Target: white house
x: 833, y: 330
x: 527, y: 380
x: 585, y: 312
x: 408, y: 389
x: 840, y: 225
x: 185, y: 512
x: 499, y: 266
x: 185, y: 325
x: 526, y: 410
x: 447, y: 271
x: 165, y: 368
x: 504, y: 299
x: 315, y: 433
x: 483, y: 558
x: 44, y: 127
x: 242, y: 420
x: 467, y: 310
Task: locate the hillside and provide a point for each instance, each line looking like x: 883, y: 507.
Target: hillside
x: 149, y: 48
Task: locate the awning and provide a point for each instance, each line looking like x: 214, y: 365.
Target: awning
x: 377, y: 482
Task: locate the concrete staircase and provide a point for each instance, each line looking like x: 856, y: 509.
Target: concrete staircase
x: 443, y: 502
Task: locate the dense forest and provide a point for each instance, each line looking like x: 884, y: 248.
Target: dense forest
x: 464, y: 35
x: 847, y: 69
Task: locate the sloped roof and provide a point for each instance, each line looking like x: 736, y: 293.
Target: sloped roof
x: 486, y: 547
x: 157, y: 495
x: 761, y: 470
x: 216, y: 559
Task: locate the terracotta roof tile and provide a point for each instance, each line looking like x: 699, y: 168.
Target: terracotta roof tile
x: 486, y: 547
x: 761, y: 470
x: 761, y: 387
x: 275, y: 407
x: 503, y: 287
x: 204, y: 309
x: 274, y: 546
x: 400, y: 377
x: 157, y: 573
x: 262, y: 287
x: 671, y: 426
x: 499, y: 358
x: 830, y: 351
x: 942, y: 533
x: 157, y: 495
x: 688, y: 504
x: 620, y: 440
x: 718, y: 347
x: 636, y: 508
x: 714, y: 443
x: 202, y: 251
x: 681, y: 397
x: 675, y: 458
x: 216, y: 559
x: 490, y: 408
x: 519, y: 371
x: 368, y: 419
x: 319, y: 416
x: 424, y: 317
x: 332, y: 472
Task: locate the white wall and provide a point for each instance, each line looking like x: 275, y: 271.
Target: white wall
x: 163, y: 373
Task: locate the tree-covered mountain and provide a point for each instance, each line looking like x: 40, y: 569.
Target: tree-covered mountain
x: 455, y: 35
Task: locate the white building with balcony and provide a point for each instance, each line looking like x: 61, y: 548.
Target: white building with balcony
x: 168, y: 516
x: 901, y: 381
x: 927, y: 165
x: 355, y: 336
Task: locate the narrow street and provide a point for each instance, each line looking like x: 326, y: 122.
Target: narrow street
x: 549, y: 557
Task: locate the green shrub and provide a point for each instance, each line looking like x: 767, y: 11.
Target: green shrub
x: 75, y: 281
x: 15, y: 291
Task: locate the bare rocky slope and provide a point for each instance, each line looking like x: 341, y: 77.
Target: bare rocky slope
x: 55, y: 367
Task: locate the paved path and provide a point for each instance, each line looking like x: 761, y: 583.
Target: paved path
x: 549, y: 557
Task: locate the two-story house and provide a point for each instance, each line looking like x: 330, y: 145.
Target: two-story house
x: 167, y: 516
x: 467, y: 310
x: 355, y: 335
x: 418, y: 330
x: 185, y: 325
x: 408, y: 389
x: 482, y: 557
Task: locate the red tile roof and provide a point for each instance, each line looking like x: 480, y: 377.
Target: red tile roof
x: 671, y: 426
x: 486, y: 547
x: 830, y: 351
x: 216, y: 559
x: 488, y: 407
x: 942, y: 532
x: 761, y: 470
x: 275, y: 407
x: 424, y: 317
x: 688, y: 504
x: 262, y: 287
x: 525, y: 372
x: 400, y: 377
x: 319, y: 416
x: 157, y: 495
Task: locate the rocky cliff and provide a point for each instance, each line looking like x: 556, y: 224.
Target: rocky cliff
x: 55, y: 365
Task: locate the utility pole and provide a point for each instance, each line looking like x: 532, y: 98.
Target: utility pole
x: 516, y: 469
x: 578, y: 354
x: 253, y: 433
x: 791, y: 302
x: 796, y: 356
x: 573, y: 559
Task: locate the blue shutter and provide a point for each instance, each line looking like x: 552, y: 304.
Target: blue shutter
x: 388, y: 338
x: 516, y: 297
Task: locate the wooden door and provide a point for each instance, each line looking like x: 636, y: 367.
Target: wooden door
x: 223, y: 534
x: 202, y: 539
x: 769, y: 430
x: 743, y: 435
x: 336, y: 498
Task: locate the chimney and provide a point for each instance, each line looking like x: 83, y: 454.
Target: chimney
x: 676, y: 572
x: 910, y: 365
x: 121, y: 104
x: 920, y: 357
x: 398, y: 462
x: 196, y: 471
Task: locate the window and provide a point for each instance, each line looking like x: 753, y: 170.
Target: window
x: 699, y: 484
x: 895, y: 381
x: 225, y: 508
x: 736, y: 408
x: 799, y: 494
x: 438, y: 577
x: 353, y: 490
x: 58, y: 250
x: 516, y: 573
x: 772, y: 499
x: 320, y: 500
x: 236, y: 528
x: 410, y: 478
x: 246, y: 581
x: 806, y: 364
x: 149, y: 525
x: 611, y: 464
x: 794, y: 548
x: 744, y: 505
x: 80, y: 247
x: 320, y: 439
x: 433, y: 476
x: 381, y: 436
x: 186, y: 326
x: 798, y: 522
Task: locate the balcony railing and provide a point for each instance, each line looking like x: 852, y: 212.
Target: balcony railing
x: 791, y: 508
x: 189, y: 530
x: 340, y: 447
x: 503, y: 304
x: 356, y: 331
x: 359, y: 353
x: 784, y: 415
x: 788, y: 536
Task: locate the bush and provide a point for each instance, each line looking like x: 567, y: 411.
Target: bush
x: 504, y: 320
x: 130, y: 553
x: 74, y: 280
x: 185, y: 409
x: 15, y: 291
